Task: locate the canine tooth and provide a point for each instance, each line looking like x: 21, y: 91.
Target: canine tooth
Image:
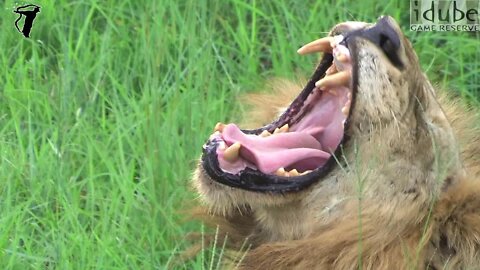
x: 232, y: 152
x: 265, y: 133
x: 219, y: 127
x: 280, y: 172
x: 337, y: 79
x: 293, y: 172
x: 319, y: 45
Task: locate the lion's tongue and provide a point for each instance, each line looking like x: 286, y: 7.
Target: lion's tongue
x: 298, y: 150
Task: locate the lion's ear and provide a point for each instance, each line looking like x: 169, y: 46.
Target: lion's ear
x: 264, y: 107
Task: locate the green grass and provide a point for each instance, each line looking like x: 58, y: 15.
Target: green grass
x: 104, y: 110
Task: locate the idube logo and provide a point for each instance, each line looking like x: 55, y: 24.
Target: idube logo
x: 444, y: 15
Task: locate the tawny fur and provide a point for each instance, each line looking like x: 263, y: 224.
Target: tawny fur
x: 448, y: 237
x: 400, y: 224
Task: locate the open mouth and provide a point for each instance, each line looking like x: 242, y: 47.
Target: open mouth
x: 300, y: 144
x: 304, y: 144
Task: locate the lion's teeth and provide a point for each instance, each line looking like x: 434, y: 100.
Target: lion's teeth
x: 319, y: 45
x: 265, y: 133
x: 231, y: 154
x: 222, y: 146
x: 337, y: 39
x: 346, y: 108
x: 332, y: 69
x: 280, y: 172
x: 333, y: 92
x: 341, y: 57
x: 219, y: 127
x: 283, y: 129
x: 293, y: 172
x: 306, y: 172
x: 337, y: 79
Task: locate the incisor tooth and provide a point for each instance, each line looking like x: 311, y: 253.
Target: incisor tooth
x: 337, y: 79
x: 265, y: 133
x: 232, y: 152
x: 293, y: 172
x: 319, y: 45
x: 219, y: 127
x: 280, y: 172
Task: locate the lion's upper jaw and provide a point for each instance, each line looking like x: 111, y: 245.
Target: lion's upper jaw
x: 399, y: 128
x: 401, y: 149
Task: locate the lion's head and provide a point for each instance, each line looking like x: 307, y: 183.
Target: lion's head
x: 367, y: 122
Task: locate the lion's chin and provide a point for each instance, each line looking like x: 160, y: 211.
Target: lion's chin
x: 224, y: 200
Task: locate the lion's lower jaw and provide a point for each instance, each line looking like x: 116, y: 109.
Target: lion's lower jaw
x: 224, y: 200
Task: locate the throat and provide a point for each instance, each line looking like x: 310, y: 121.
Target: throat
x: 283, y: 223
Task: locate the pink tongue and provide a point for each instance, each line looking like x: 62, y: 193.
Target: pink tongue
x: 278, y: 151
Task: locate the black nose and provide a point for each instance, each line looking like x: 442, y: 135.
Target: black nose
x: 385, y: 37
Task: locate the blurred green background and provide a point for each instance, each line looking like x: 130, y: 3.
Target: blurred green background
x: 104, y: 110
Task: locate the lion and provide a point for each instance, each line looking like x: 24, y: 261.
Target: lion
x: 368, y: 167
